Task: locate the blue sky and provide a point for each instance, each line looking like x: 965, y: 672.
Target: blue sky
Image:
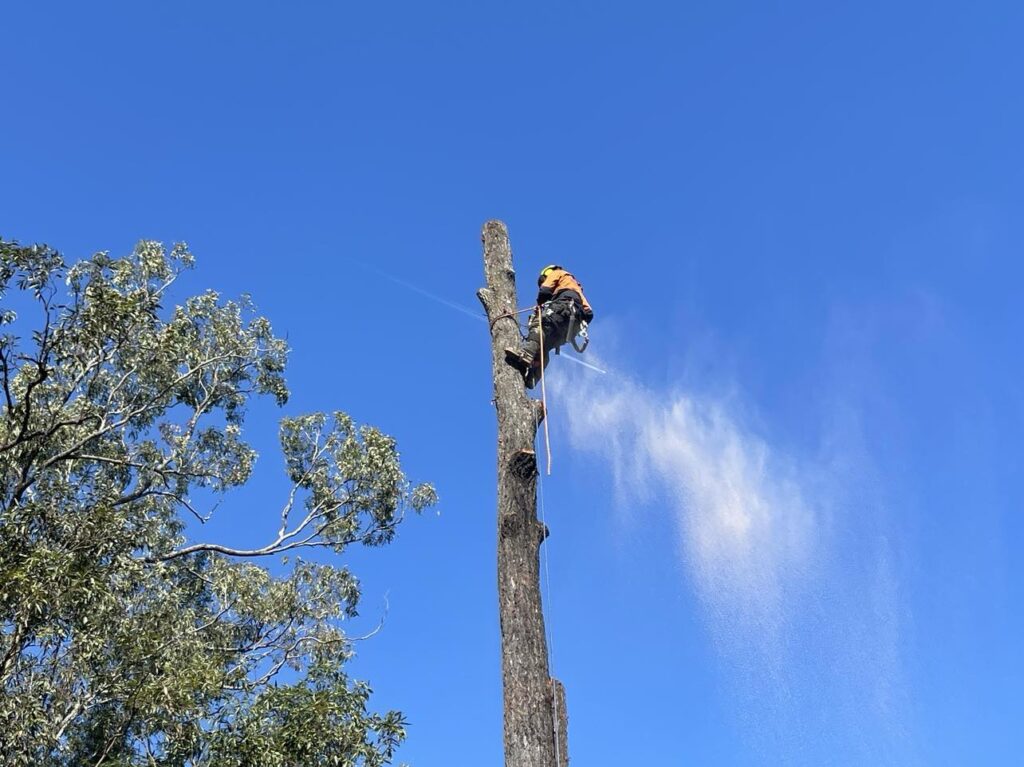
x: 785, y: 523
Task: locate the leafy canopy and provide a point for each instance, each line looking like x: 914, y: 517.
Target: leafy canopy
x: 122, y: 641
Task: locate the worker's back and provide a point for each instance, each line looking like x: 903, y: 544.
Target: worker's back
x: 557, y: 280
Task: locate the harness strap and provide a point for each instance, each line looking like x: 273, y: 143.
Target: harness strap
x: 582, y: 334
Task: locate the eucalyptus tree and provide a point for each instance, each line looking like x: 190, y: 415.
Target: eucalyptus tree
x: 124, y: 638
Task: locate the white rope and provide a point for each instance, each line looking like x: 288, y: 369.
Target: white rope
x: 547, y: 574
x: 547, y: 623
x: 543, y: 389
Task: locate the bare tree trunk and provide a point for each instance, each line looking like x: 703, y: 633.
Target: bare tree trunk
x: 530, y: 693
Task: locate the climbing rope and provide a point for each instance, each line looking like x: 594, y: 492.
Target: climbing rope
x: 543, y: 391
x: 547, y: 573
x: 550, y: 644
x: 549, y: 633
x: 512, y: 315
x: 544, y: 396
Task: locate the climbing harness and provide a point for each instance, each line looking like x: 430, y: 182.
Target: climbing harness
x: 578, y: 328
x: 581, y: 333
x: 577, y: 334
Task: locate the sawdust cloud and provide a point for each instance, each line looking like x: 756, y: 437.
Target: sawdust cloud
x: 794, y: 578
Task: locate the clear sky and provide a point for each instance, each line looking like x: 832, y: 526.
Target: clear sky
x: 786, y: 523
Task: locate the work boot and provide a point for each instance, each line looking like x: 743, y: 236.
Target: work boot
x: 521, y: 359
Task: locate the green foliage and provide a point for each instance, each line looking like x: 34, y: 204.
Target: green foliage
x: 122, y: 642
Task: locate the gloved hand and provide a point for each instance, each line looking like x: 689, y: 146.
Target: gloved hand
x: 588, y: 315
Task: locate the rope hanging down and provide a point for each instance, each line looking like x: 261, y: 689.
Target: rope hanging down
x: 549, y: 631
x: 545, y: 556
x: 544, y: 394
x: 580, y: 328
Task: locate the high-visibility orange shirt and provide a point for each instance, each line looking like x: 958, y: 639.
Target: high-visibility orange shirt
x: 559, y: 280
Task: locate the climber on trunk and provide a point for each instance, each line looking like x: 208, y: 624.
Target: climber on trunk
x: 561, y: 307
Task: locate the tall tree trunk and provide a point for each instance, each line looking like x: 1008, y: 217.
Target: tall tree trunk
x: 531, y: 695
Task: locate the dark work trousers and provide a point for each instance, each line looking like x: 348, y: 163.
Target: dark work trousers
x: 560, y: 316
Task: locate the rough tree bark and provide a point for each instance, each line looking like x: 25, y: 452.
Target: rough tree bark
x: 531, y: 695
